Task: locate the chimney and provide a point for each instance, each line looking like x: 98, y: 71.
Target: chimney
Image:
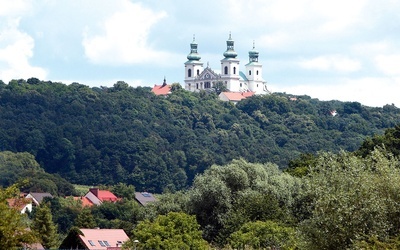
x: 95, y: 191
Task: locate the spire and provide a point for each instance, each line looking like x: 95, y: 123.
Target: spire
x: 164, y: 82
x: 253, y: 54
x: 193, y: 56
x: 230, y: 50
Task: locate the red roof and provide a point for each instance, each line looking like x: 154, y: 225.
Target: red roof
x: 99, y: 239
x: 85, y: 201
x: 164, y: 89
x: 105, y: 195
x: 237, y: 96
x: 19, y: 203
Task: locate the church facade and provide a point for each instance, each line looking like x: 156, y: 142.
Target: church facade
x: 199, y: 78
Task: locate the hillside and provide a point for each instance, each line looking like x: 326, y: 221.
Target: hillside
x: 123, y: 134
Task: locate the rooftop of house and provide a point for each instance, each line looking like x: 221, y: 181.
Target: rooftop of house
x: 39, y: 196
x: 237, y: 96
x: 85, y: 201
x: 98, y: 239
x: 144, y: 198
x: 103, y: 195
x: 19, y: 203
x: 163, y: 89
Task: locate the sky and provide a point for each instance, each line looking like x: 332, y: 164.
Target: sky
x: 331, y: 50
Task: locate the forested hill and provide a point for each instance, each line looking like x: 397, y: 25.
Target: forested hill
x: 125, y: 134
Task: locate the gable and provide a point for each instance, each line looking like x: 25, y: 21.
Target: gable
x: 208, y: 75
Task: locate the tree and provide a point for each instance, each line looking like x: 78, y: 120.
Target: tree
x: 44, y: 226
x: 171, y: 231
x: 353, y: 199
x: 13, y: 226
x: 263, y: 235
x: 85, y: 219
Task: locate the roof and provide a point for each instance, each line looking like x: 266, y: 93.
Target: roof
x: 85, y: 201
x: 105, y: 195
x: 19, y: 203
x: 144, y: 198
x: 161, y: 89
x: 237, y: 96
x: 98, y: 239
x: 39, y: 196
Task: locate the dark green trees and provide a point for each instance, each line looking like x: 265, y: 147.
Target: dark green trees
x: 44, y: 227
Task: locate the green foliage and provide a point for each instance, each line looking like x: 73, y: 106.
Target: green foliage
x: 353, y: 199
x: 123, y: 134
x: 171, y: 231
x: 263, y: 235
x: 85, y: 219
x: 13, y: 224
x: 44, y: 227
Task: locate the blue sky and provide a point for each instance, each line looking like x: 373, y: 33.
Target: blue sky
x: 342, y: 50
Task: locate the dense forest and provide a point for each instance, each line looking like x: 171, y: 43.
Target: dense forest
x: 272, y: 172
x: 107, y: 135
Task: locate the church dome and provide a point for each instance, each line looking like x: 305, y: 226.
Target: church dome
x: 193, y: 56
x: 253, y: 54
x: 230, y: 52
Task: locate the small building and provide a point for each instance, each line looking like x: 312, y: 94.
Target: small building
x: 21, y: 204
x: 144, y: 198
x: 84, y: 200
x: 163, y: 89
x: 37, y: 198
x: 97, y: 196
x: 95, y: 239
x: 234, y: 97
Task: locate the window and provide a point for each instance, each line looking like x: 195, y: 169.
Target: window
x: 207, y: 85
x: 226, y: 70
x: 257, y: 72
x: 101, y: 243
x: 240, y: 84
x: 189, y: 73
x: 91, y: 243
x: 197, y: 86
x: 198, y: 72
x: 234, y: 70
x: 257, y: 85
x: 106, y: 242
x: 249, y: 72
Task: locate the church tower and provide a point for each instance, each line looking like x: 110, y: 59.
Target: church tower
x: 193, y: 67
x: 254, y: 72
x: 230, y: 67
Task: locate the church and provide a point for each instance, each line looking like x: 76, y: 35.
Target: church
x: 198, y: 78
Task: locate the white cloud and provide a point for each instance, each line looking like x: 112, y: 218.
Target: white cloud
x: 13, y: 8
x: 370, y: 91
x: 125, y: 38
x: 388, y: 64
x: 16, y: 48
x: 334, y: 62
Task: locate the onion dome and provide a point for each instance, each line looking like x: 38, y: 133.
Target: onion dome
x: 230, y: 51
x: 193, y: 56
x: 253, y: 54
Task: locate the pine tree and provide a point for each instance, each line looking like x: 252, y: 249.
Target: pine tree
x: 44, y: 227
x: 85, y: 219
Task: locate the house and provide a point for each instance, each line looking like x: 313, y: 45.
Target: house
x: 163, y: 89
x: 144, y: 198
x: 21, y: 204
x: 234, y: 97
x: 84, y: 200
x: 95, y: 239
x: 37, y: 198
x: 97, y: 196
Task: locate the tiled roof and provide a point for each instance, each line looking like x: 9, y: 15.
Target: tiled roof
x: 85, y: 201
x: 237, y: 96
x: 144, y: 197
x: 39, y: 196
x: 19, y: 203
x: 161, y: 89
x: 105, y: 195
x: 98, y: 239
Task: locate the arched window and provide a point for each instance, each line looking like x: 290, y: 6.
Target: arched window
x: 257, y: 72
x: 240, y: 84
x: 197, y: 86
x: 207, y: 85
x: 226, y: 70
x: 234, y: 70
x: 198, y: 72
x: 189, y: 72
x: 249, y: 72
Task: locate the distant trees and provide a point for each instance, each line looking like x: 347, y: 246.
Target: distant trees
x: 44, y: 227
